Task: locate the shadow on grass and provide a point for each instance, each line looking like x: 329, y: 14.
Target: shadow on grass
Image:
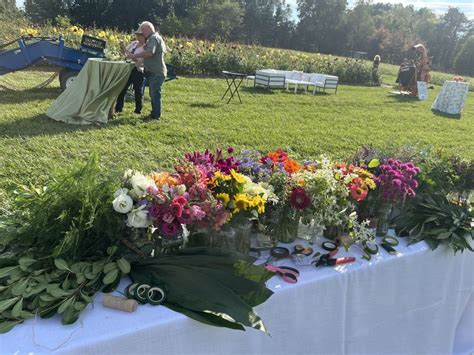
x: 203, y: 105
x: 42, y: 125
x: 446, y: 115
x: 258, y: 90
x: 15, y: 97
x: 402, y: 98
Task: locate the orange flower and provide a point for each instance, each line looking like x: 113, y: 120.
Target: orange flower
x: 165, y: 179
x: 291, y: 166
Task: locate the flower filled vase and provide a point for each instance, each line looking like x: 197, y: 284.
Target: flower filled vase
x: 332, y: 232
x: 286, y: 228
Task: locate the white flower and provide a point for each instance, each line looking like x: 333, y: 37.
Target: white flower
x: 128, y: 174
x: 138, y: 218
x: 122, y: 203
x: 180, y: 189
x: 119, y: 192
x: 140, y: 184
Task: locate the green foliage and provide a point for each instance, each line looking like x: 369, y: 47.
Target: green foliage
x: 70, y: 217
x: 464, y: 63
x: 44, y: 287
x: 212, y: 286
x: 438, y: 222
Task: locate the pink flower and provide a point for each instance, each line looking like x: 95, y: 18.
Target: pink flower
x: 176, y: 209
x: 180, y: 199
x: 168, y: 217
x: 197, y: 213
x: 186, y: 216
x: 221, y: 218
x: 230, y: 150
x: 170, y: 230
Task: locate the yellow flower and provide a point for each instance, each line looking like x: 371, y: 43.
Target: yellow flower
x: 241, y: 202
x: 224, y: 198
x: 55, y: 30
x: 74, y: 29
x: 370, y: 183
x: 102, y: 34
x: 189, y: 44
x: 237, y: 177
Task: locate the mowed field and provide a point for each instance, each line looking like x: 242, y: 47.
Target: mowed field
x: 33, y: 146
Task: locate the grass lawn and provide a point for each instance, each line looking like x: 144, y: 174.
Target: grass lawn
x: 194, y: 118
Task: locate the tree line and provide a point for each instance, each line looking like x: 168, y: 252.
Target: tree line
x: 325, y: 26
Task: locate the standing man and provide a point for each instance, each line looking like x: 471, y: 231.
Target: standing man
x: 153, y: 55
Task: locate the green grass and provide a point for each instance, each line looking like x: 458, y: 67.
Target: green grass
x: 194, y: 118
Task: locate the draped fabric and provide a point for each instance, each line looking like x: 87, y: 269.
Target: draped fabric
x: 416, y: 302
x: 90, y: 97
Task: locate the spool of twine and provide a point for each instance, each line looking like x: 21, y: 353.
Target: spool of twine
x: 120, y: 303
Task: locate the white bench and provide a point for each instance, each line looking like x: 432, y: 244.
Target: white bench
x: 270, y: 78
x: 323, y: 82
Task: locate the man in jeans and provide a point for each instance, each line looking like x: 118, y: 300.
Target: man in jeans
x: 155, y: 68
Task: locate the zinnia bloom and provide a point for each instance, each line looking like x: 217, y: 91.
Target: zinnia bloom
x: 299, y: 199
x: 170, y: 230
x: 358, y: 193
x: 176, y: 209
x: 180, y: 199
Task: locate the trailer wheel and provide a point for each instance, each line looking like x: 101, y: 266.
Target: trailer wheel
x: 66, y: 77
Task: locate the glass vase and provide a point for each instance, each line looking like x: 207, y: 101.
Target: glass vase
x: 286, y: 229
x: 235, y: 237
x: 332, y: 232
x: 383, y: 221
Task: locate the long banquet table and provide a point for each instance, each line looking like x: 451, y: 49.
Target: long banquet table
x: 416, y: 302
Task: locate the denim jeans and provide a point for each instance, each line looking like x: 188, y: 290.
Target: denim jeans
x: 154, y: 83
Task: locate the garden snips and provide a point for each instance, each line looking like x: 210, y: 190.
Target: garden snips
x: 328, y: 258
x: 288, y: 274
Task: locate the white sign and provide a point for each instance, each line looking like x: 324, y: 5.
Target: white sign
x: 422, y: 87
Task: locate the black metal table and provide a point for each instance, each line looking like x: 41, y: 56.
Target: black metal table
x: 232, y: 86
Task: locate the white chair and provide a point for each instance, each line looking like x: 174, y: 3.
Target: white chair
x: 323, y: 82
x: 269, y: 78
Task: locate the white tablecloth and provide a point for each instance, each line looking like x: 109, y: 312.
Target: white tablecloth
x: 414, y: 303
x: 451, y: 98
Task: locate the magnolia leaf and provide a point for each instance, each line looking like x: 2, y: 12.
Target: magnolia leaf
x: 123, y: 265
x: 16, y: 310
x: 111, y: 276
x: 5, y: 304
x: 374, y: 163
x: 6, y: 326
x: 61, y: 265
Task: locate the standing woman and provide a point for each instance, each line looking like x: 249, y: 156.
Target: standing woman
x: 136, y: 77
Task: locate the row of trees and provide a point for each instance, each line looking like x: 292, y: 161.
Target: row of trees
x: 326, y: 26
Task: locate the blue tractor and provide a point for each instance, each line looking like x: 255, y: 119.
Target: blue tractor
x: 44, y: 50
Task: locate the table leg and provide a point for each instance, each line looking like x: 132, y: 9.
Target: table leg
x: 237, y: 89
x: 228, y: 88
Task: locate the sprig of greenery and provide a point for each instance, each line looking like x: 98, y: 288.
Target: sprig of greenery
x: 70, y: 218
x: 48, y: 286
x: 438, y: 221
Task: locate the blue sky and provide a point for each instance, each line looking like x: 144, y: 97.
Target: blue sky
x: 439, y: 7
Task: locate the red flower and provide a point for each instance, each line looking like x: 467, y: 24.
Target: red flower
x: 180, y: 199
x: 170, y: 230
x: 358, y: 193
x: 299, y: 199
x: 176, y: 209
x: 186, y: 217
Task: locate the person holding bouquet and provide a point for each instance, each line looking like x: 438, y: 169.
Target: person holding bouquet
x: 136, y: 77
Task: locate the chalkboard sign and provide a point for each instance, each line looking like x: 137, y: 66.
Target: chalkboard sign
x: 422, y: 87
x: 93, y: 43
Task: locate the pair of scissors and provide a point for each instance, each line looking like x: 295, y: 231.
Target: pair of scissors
x: 288, y: 274
x: 328, y: 258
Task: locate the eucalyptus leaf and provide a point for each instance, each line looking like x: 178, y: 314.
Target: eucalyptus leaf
x: 69, y: 302
x: 19, y: 288
x: 6, y: 326
x: 109, y: 267
x: 61, y: 264
x: 111, y: 276
x: 6, y: 304
x: 123, y: 265
x: 16, y: 310
x: 26, y: 261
